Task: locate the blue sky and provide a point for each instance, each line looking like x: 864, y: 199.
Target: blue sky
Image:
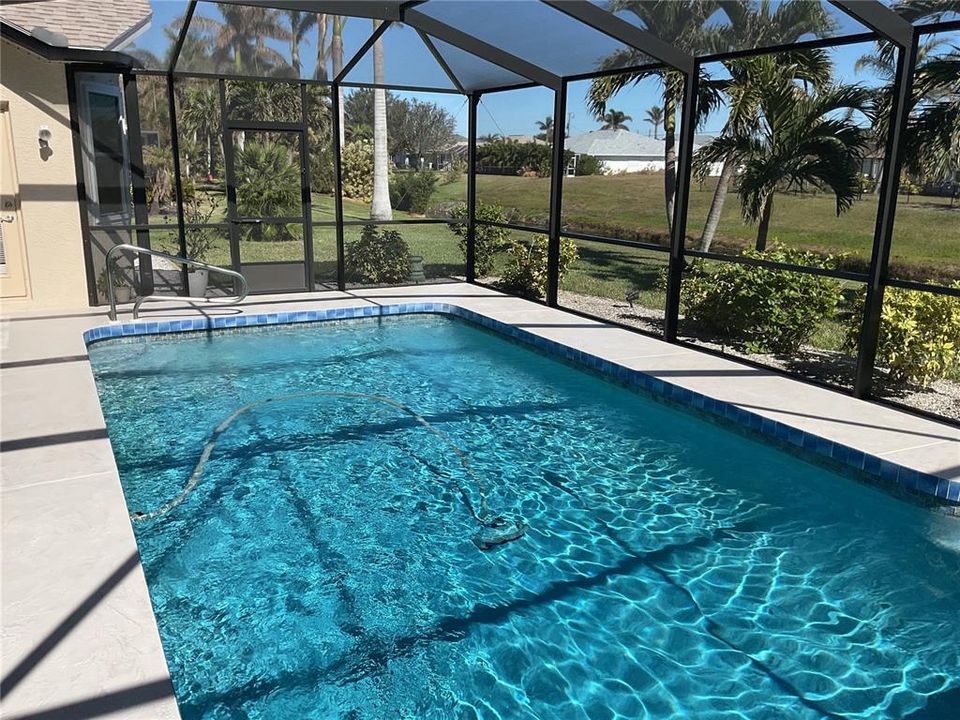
x: 511, y: 113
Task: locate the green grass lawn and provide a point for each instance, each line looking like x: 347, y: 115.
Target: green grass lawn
x: 926, y: 243
x: 436, y: 243
x: 926, y: 240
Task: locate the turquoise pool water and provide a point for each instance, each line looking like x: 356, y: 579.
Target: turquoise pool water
x: 323, y: 565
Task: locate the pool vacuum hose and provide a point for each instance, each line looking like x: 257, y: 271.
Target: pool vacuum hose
x: 494, y: 530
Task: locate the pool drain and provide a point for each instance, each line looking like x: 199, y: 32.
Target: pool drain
x: 495, y: 530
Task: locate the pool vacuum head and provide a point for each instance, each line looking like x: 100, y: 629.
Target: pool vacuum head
x: 499, y: 531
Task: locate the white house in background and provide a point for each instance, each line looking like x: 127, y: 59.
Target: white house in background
x: 623, y: 151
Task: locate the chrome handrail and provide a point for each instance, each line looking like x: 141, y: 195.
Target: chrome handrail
x: 111, y: 294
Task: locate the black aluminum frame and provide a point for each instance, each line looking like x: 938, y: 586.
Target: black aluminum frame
x: 235, y: 219
x: 884, y: 24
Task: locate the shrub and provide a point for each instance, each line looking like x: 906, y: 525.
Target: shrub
x: 198, y: 210
x: 516, y: 158
x: 919, y: 335
x: 908, y: 188
x: 489, y: 239
x: 411, y: 191
x: 112, y: 269
x: 589, y: 165
x: 268, y: 186
x: 378, y: 256
x: 321, y: 168
x: 764, y: 310
x: 356, y: 164
x: 526, y: 274
x: 158, y: 174
x: 454, y: 171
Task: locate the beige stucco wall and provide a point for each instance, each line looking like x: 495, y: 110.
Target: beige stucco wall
x: 37, y: 93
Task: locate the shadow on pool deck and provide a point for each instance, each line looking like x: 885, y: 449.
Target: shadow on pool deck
x: 96, y: 706
x: 106, y: 704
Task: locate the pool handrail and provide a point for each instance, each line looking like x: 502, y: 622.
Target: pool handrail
x: 124, y: 247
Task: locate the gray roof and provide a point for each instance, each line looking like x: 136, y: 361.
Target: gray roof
x: 619, y: 143
x: 101, y: 25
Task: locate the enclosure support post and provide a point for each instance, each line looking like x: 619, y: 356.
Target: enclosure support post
x: 473, y: 102
x: 138, y: 178
x: 886, y: 212
x: 92, y: 294
x: 306, y: 189
x: 680, y: 203
x: 338, y: 185
x: 557, y: 169
x: 177, y: 180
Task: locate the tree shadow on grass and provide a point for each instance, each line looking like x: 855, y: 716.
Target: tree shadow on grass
x: 620, y: 264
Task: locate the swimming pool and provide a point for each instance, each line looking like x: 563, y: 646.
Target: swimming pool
x: 323, y: 565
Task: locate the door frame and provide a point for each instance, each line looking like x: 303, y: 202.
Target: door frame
x: 235, y: 220
x: 108, y: 84
x: 15, y: 279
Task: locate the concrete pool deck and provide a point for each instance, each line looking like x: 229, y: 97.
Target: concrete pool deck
x: 79, y: 636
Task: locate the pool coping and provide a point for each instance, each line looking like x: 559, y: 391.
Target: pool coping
x: 884, y: 471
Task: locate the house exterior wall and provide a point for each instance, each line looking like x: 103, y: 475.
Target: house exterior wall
x: 50, y: 211
x: 615, y: 165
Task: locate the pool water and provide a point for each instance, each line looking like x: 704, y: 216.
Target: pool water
x: 323, y: 565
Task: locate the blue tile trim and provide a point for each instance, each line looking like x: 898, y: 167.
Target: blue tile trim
x: 906, y: 478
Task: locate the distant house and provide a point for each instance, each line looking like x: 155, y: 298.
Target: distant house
x: 871, y: 166
x: 438, y: 159
x: 623, y: 151
x: 523, y: 139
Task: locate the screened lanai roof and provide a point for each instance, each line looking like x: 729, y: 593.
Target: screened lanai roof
x: 477, y: 45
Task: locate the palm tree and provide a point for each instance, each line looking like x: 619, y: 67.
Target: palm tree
x: 545, y: 127
x: 380, y: 205
x: 933, y: 132
x: 798, y: 139
x: 615, y: 120
x: 240, y: 39
x: 200, y: 116
x: 323, y: 48
x: 927, y: 10
x: 300, y: 23
x: 753, y: 25
x: 883, y: 63
x: 679, y: 23
x: 195, y: 55
x: 655, y: 118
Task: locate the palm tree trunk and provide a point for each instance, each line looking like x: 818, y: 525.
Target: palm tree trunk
x: 669, y: 154
x: 295, y: 53
x: 380, y: 206
x: 716, y: 206
x: 764, y: 227
x: 209, y: 155
x: 187, y: 164
x: 336, y: 47
x: 322, y: 48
